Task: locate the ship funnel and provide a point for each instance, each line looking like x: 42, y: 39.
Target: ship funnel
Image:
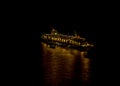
x: 54, y: 31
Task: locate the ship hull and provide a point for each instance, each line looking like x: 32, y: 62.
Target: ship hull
x: 54, y: 44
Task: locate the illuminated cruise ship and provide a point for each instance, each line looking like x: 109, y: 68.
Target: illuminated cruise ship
x: 58, y: 39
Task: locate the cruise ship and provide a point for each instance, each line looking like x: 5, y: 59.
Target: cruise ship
x: 71, y: 41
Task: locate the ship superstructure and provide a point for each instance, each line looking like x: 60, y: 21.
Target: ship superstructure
x: 65, y: 40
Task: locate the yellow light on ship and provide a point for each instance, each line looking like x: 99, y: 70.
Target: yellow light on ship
x: 78, y: 36
x: 70, y: 41
x: 45, y: 37
x: 55, y: 38
x: 49, y: 37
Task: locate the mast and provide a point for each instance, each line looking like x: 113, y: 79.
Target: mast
x: 75, y: 33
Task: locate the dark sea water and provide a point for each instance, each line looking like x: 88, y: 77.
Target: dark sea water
x: 65, y: 66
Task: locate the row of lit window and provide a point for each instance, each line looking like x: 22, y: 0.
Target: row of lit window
x: 63, y: 40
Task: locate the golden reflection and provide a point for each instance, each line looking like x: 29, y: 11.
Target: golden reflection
x: 85, y: 68
x: 59, y: 65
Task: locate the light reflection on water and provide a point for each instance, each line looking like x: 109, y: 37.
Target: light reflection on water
x: 63, y: 65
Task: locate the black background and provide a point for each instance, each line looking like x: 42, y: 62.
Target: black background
x: 23, y: 27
